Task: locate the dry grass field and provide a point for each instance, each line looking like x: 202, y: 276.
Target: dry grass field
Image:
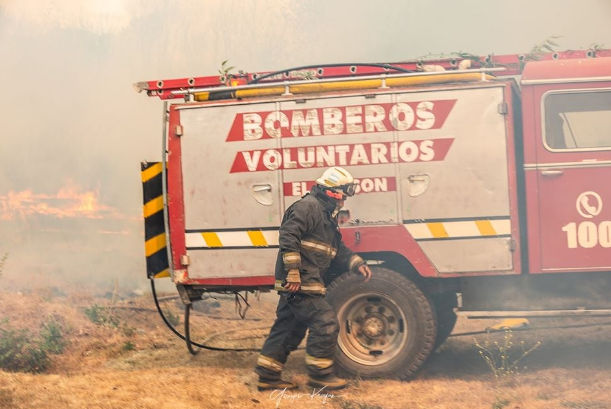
x: 136, y: 362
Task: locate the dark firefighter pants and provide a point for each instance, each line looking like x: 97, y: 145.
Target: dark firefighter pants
x: 296, y: 313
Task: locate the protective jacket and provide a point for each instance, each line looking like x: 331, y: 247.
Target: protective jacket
x: 310, y: 240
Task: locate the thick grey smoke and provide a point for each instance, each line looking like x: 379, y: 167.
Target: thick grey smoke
x: 70, y: 117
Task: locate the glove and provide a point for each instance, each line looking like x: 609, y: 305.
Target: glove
x: 293, y: 280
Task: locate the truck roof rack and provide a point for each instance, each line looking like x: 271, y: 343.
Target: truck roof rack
x: 512, y: 65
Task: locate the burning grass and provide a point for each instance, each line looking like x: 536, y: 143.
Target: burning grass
x: 69, y: 201
x: 145, y: 366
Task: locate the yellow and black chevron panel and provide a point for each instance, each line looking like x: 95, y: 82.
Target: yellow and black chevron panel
x: 154, y: 227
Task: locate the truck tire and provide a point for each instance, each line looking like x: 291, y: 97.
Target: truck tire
x: 387, y: 326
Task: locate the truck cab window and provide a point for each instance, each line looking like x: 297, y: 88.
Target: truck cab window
x: 578, y: 120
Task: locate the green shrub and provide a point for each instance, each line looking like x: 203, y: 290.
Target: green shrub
x: 51, y: 338
x: 21, y: 352
x: 102, y: 316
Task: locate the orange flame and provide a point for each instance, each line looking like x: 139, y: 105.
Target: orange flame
x: 70, y: 201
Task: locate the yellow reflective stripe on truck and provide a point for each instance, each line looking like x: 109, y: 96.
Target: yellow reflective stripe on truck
x: 485, y: 227
x: 437, y: 230
x: 250, y: 238
x: 212, y: 239
x: 459, y: 228
x: 257, y: 238
x: 267, y: 237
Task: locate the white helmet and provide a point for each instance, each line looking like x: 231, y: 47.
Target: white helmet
x: 337, y: 179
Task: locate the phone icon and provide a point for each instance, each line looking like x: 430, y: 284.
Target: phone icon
x: 589, y: 204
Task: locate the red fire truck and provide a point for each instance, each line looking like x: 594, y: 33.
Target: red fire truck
x: 484, y: 190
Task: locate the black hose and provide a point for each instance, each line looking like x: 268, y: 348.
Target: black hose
x: 305, y: 67
x: 190, y: 343
x: 188, y: 331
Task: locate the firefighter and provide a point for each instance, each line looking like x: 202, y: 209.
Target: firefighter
x: 309, y: 242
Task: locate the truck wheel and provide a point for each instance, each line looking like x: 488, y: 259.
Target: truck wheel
x: 387, y: 326
x: 446, y: 317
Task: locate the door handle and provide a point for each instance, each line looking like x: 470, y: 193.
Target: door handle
x: 262, y: 192
x: 262, y: 188
x: 552, y: 172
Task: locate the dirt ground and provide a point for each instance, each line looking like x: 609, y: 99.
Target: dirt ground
x: 139, y: 363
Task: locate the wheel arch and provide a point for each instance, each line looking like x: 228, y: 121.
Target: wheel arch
x: 386, y: 259
x: 394, y: 261
x: 391, y: 243
x: 402, y: 265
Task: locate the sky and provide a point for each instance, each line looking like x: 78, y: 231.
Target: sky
x: 74, y: 131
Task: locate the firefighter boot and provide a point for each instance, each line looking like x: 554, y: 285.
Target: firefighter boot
x: 266, y: 384
x: 329, y: 382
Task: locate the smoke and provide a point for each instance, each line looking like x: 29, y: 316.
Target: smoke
x: 73, y: 120
x: 178, y: 32
x: 100, y: 17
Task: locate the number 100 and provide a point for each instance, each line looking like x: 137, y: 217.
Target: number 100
x: 588, y: 234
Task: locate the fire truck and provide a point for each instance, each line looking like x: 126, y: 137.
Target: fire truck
x: 483, y: 190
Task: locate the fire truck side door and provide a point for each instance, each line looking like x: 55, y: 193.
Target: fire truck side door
x: 573, y: 171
